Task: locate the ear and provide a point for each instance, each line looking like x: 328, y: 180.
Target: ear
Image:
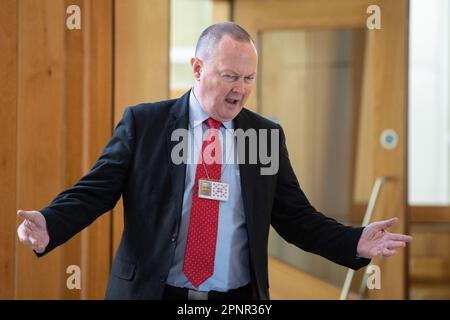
x: 196, y: 68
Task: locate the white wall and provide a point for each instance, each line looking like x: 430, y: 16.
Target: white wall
x: 429, y: 102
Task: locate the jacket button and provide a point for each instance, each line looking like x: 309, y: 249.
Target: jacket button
x: 162, y: 278
x: 173, y: 239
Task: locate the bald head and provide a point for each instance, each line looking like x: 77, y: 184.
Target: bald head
x: 224, y: 69
x: 211, y: 36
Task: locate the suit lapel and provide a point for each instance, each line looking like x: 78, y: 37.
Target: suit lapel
x: 248, y: 174
x: 179, y: 120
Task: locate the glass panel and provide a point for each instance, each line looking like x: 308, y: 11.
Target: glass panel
x: 187, y: 21
x: 429, y: 103
x: 307, y: 81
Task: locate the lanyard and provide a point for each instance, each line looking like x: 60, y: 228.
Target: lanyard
x: 195, y: 143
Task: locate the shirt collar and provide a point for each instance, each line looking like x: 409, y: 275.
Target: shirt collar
x: 197, y: 114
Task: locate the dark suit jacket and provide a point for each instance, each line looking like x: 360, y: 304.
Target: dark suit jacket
x: 136, y: 163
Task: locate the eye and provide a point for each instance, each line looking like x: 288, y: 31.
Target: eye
x: 229, y: 77
x: 249, y: 79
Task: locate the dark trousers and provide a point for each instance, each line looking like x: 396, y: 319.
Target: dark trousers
x: 242, y: 293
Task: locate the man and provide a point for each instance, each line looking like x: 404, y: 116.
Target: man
x: 199, y: 230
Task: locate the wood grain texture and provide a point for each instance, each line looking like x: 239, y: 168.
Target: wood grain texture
x: 97, y: 118
x: 141, y: 64
x: 8, y: 145
x: 39, y: 134
x: 74, y: 94
x: 431, y: 214
x: 389, y: 110
x: 64, y: 121
x: 430, y: 261
x: 289, y: 283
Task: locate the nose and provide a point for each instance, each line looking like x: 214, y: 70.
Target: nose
x: 239, y: 87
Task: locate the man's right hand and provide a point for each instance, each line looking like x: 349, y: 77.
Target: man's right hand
x: 33, y: 230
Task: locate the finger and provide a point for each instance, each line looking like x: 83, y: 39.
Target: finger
x: 27, y: 223
x: 26, y: 236
x: 388, y: 253
x: 395, y: 244
x: 31, y: 225
x: 23, y: 231
x: 34, y: 241
x: 375, y: 252
x: 39, y: 249
x: 25, y: 240
x: 30, y: 215
x: 399, y: 237
x: 388, y: 223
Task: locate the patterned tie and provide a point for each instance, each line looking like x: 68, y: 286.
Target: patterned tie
x: 202, y: 234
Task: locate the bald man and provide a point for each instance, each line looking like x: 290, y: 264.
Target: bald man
x: 196, y: 221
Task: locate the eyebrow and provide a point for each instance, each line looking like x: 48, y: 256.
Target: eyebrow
x: 237, y: 74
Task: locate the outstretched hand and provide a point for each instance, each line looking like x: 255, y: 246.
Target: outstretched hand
x: 33, y: 230
x: 375, y: 241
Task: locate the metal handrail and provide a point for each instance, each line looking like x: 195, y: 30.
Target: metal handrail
x: 367, y: 217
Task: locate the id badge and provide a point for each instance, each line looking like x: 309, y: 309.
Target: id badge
x: 213, y: 190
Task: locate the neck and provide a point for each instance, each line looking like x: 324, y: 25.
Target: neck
x: 199, y: 99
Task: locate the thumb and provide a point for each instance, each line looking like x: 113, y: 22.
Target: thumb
x: 29, y: 215
x: 385, y: 224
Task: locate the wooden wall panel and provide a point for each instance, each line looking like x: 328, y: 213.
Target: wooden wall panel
x: 65, y: 117
x: 97, y: 115
x: 290, y: 283
x: 141, y: 63
x: 221, y: 11
x: 389, y: 94
x: 141, y: 52
x: 73, y: 119
x: 89, y: 116
x: 8, y: 144
x: 39, y: 133
x: 360, y: 167
x: 57, y: 115
x: 430, y: 261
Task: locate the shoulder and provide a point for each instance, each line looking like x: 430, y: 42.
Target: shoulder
x: 257, y: 121
x: 151, y: 117
x: 162, y: 107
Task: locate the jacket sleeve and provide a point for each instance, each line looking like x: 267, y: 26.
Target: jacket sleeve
x: 298, y: 222
x: 95, y: 193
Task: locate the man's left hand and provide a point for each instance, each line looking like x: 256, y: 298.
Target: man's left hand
x: 375, y: 241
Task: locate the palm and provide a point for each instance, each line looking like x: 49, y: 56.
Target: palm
x: 33, y: 230
x: 375, y: 241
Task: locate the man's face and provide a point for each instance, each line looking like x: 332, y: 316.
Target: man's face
x: 225, y: 79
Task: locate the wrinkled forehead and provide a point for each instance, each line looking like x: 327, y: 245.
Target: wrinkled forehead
x: 240, y: 57
x: 231, y: 46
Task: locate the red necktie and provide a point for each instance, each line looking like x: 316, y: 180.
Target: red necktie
x: 202, y: 234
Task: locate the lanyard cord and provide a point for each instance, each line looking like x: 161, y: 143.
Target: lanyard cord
x: 201, y: 148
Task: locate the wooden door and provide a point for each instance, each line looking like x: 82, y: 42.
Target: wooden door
x: 368, y: 89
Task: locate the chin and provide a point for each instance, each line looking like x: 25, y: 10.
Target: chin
x: 231, y: 113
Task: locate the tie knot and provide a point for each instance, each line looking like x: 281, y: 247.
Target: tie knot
x: 213, y: 124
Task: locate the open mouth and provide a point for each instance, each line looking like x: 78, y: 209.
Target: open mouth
x: 232, y: 101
